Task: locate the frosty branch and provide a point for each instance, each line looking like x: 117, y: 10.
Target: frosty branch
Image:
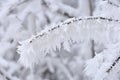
x: 63, y: 34
x: 111, y: 3
x: 113, y: 64
x: 6, y: 76
x: 72, y: 21
x: 59, y: 11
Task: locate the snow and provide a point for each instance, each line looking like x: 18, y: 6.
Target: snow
x: 59, y: 40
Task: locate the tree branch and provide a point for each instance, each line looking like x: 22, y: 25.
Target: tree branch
x: 111, y: 3
x: 72, y: 21
x: 59, y: 11
x: 113, y: 64
x: 51, y: 38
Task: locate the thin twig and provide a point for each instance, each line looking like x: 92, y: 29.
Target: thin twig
x: 113, y: 64
x: 111, y: 3
x: 72, y: 21
x: 59, y: 11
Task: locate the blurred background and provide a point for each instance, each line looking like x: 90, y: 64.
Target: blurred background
x: 20, y: 19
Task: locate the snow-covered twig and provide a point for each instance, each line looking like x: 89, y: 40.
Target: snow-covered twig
x: 113, y: 64
x: 111, y: 3
x: 6, y: 76
x: 63, y: 34
x: 72, y: 21
x: 60, y: 9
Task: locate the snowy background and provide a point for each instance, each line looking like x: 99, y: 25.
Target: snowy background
x: 20, y: 19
